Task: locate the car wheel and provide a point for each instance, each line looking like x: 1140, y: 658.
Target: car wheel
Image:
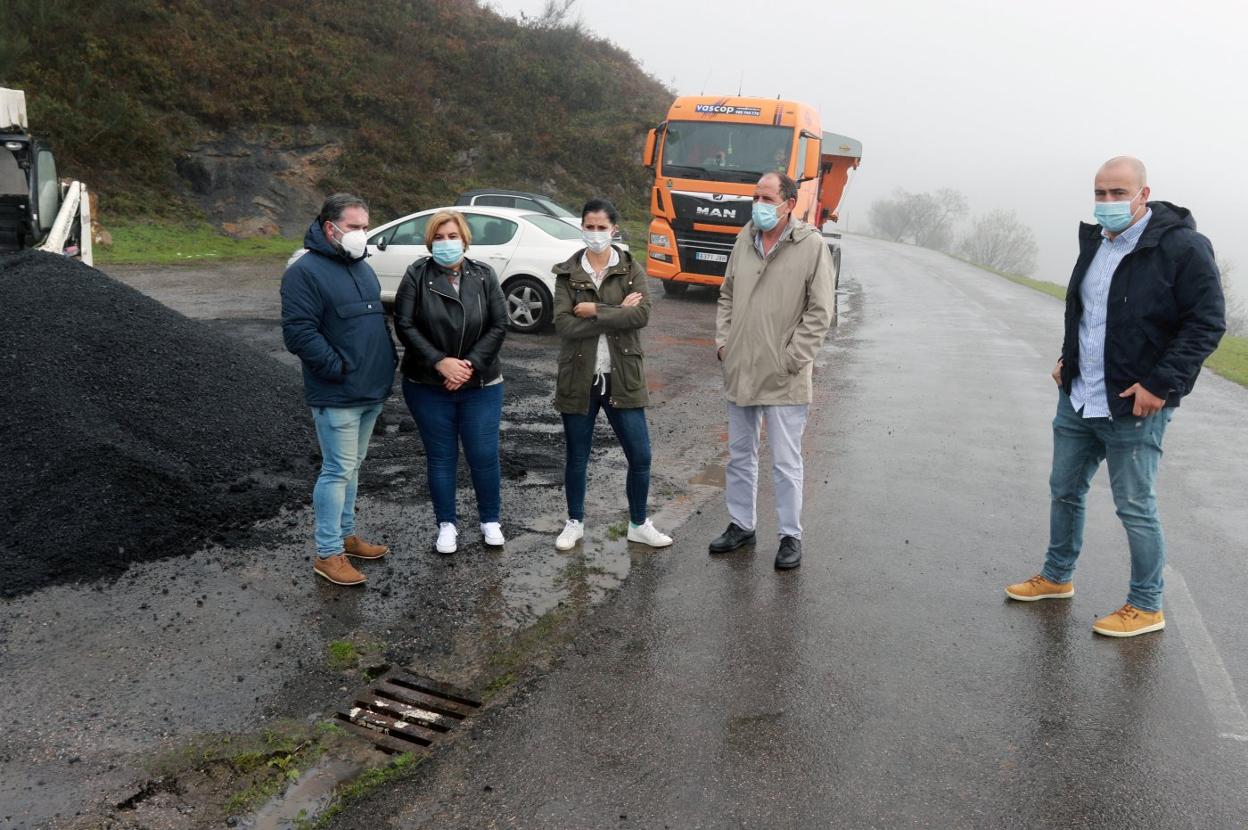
x: 671, y: 288
x: 529, y: 306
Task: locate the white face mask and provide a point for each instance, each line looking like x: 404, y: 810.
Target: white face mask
x: 353, y: 243
x: 597, y: 241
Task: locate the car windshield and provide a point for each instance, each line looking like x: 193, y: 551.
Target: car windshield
x: 556, y: 209
x: 557, y: 228
x: 725, y: 152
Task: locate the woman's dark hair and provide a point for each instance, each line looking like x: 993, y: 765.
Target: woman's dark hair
x: 601, y: 206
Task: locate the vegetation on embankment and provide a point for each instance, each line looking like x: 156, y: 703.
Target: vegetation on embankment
x: 172, y: 242
x: 1230, y: 360
x: 426, y: 97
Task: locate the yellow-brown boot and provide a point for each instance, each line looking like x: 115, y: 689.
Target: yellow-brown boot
x: 1129, y: 621
x: 356, y: 547
x: 1039, y: 588
x: 338, y: 570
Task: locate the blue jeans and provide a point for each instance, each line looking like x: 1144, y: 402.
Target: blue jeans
x: 1132, y: 447
x: 445, y: 419
x: 630, y: 428
x: 343, y: 434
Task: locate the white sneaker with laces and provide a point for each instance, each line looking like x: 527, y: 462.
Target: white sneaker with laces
x: 572, y: 533
x: 447, y: 534
x: 648, y: 534
x: 493, y: 534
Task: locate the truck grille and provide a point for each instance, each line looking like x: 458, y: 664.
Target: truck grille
x: 711, y: 246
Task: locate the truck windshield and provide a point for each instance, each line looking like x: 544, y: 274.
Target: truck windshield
x: 725, y: 152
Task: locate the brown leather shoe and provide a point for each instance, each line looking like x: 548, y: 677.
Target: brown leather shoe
x: 1039, y: 588
x: 358, y: 548
x: 1129, y: 621
x: 338, y: 570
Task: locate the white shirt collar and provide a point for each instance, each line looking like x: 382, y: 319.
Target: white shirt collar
x: 589, y: 269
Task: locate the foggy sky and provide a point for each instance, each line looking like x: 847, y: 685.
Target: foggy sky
x: 1014, y: 104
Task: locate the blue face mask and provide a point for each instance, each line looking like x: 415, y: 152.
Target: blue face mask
x: 764, y: 216
x: 1114, y: 217
x: 447, y: 251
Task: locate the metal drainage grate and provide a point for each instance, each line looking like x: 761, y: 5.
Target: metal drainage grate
x: 401, y: 712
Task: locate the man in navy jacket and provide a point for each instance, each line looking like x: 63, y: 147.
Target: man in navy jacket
x: 1143, y: 311
x: 332, y: 319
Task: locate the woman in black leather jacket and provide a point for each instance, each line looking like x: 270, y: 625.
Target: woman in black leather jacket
x: 450, y: 315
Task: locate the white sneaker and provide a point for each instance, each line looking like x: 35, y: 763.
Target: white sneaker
x: 447, y: 534
x: 648, y: 534
x: 493, y: 534
x: 572, y: 533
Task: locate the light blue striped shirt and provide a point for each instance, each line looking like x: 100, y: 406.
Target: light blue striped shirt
x: 1088, y: 389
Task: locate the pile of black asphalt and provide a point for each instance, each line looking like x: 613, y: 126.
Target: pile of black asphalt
x: 130, y: 432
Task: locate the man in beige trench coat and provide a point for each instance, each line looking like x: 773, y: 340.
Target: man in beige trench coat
x: 775, y: 308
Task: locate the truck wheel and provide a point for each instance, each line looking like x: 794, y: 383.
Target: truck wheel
x: 836, y: 261
x: 671, y: 288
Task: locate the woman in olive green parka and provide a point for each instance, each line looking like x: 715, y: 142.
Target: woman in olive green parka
x: 601, y: 305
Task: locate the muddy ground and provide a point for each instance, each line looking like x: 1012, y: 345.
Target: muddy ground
x: 127, y: 701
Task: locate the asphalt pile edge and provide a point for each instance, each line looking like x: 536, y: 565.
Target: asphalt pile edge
x: 131, y: 432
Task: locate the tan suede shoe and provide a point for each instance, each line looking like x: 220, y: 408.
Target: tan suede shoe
x: 358, y: 548
x: 1129, y: 621
x: 1039, y: 588
x: 338, y: 570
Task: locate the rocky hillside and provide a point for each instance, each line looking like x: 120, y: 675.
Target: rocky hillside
x: 246, y: 113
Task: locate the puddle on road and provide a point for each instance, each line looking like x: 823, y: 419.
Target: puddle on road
x: 712, y: 475
x: 546, y: 427
x: 306, y: 798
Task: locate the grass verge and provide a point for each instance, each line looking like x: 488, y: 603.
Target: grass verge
x: 1230, y: 360
x: 164, y: 244
x: 366, y: 782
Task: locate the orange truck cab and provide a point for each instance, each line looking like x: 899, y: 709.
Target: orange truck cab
x: 707, y: 157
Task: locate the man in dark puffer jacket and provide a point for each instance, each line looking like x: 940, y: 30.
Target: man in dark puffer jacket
x: 332, y: 320
x: 1143, y: 311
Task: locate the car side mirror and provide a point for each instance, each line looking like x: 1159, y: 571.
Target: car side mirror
x: 382, y: 243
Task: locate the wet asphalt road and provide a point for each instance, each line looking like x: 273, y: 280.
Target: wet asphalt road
x: 888, y: 682
x: 108, y: 685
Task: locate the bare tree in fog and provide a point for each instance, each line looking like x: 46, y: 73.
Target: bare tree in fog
x: 925, y: 219
x: 1236, y: 309
x: 998, y: 239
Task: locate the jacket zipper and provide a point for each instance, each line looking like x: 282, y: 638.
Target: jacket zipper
x: 461, y: 324
x: 481, y: 324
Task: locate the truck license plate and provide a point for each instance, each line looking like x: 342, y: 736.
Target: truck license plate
x: 705, y: 257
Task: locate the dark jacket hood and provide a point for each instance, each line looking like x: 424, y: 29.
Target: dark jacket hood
x: 1166, y: 217
x: 314, y: 240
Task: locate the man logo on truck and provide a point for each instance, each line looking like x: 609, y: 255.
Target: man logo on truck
x: 717, y: 212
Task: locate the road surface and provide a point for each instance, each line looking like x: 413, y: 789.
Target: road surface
x: 888, y: 682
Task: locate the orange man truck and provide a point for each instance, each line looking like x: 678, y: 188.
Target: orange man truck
x: 707, y: 157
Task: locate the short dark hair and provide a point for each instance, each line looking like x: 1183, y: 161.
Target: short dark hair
x: 336, y: 204
x: 601, y: 206
x: 788, y: 187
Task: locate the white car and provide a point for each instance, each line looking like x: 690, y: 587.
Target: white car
x: 522, y: 246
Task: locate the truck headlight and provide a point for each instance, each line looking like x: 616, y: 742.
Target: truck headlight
x: 659, y: 240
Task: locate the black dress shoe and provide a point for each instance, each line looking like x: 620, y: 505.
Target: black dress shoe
x: 790, y: 553
x: 731, y: 539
